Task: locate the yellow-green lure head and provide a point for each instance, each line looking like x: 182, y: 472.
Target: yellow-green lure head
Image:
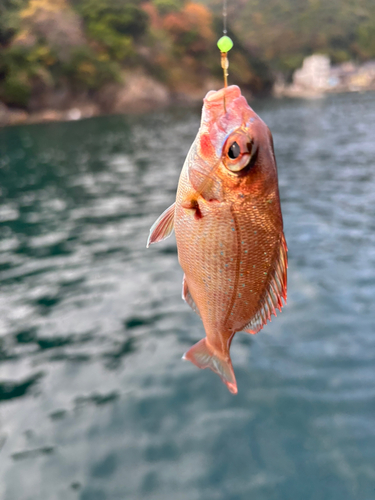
x: 225, y: 44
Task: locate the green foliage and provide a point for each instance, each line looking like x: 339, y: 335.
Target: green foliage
x: 119, y: 46
x: 29, y: 60
x: 115, y: 24
x: 9, y: 19
x: 17, y: 69
x: 123, y: 16
x: 86, y: 70
x: 16, y: 90
x: 173, y: 40
x: 366, y: 39
x: 167, y: 6
x: 283, y: 32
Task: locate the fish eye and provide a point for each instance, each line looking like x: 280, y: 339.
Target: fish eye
x: 238, y: 150
x: 234, y: 151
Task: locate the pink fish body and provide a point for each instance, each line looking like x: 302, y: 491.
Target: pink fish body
x: 229, y: 229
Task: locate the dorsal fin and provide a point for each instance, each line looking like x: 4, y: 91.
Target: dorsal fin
x: 276, y: 291
x: 187, y: 296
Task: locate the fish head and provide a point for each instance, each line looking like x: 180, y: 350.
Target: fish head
x: 233, y: 148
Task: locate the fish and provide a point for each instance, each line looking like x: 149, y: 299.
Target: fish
x: 229, y: 229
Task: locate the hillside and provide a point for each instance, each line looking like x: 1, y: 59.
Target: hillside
x: 62, y: 53
x: 282, y: 32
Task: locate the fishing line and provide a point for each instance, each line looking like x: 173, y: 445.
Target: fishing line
x: 225, y: 44
x: 224, y: 17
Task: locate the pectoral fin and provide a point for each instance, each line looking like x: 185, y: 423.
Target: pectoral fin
x: 162, y: 227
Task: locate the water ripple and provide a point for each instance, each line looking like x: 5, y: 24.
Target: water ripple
x: 94, y: 398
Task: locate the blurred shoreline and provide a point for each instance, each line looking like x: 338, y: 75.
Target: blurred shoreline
x: 151, y: 96
x: 141, y: 94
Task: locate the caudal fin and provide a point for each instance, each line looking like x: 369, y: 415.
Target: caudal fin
x: 203, y: 356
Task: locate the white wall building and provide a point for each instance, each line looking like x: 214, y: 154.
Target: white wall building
x: 314, y: 74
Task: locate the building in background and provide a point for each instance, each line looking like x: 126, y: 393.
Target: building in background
x: 317, y: 77
x: 314, y: 74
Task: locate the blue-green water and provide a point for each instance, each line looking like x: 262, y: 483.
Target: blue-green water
x: 95, y: 402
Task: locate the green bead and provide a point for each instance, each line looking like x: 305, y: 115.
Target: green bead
x: 225, y: 44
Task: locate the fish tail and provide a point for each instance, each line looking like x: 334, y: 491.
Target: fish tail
x: 203, y: 356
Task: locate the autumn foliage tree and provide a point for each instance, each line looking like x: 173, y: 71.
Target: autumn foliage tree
x: 82, y: 45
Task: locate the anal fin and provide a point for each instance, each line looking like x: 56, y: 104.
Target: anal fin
x: 162, y: 227
x: 186, y: 295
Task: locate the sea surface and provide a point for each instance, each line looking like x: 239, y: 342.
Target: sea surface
x: 95, y: 402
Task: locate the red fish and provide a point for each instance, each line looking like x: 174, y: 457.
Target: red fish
x: 229, y: 229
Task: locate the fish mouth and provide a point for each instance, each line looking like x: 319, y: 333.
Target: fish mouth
x: 224, y: 111
x: 217, y: 96
x: 224, y: 102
